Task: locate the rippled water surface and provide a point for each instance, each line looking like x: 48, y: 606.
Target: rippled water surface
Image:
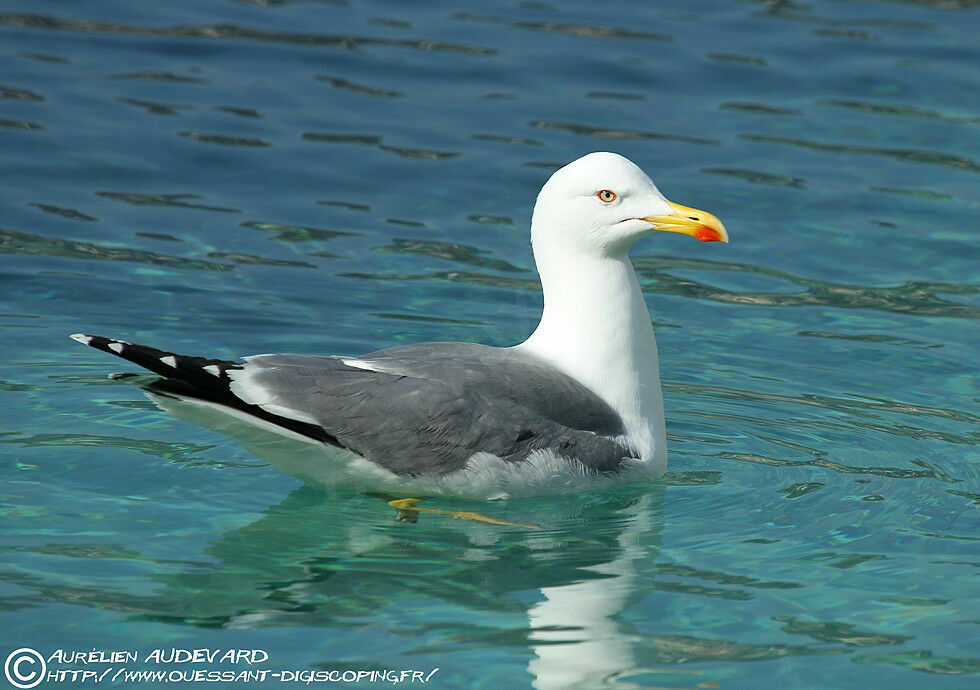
x: 222, y: 178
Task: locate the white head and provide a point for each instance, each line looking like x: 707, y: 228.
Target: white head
x: 595, y: 326
x: 602, y: 203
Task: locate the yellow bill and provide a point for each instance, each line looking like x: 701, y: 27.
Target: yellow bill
x: 690, y: 221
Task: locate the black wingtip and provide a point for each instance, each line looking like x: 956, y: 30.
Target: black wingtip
x: 110, y: 345
x: 96, y: 341
x: 207, y: 380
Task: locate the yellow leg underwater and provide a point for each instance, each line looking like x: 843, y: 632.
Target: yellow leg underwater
x: 408, y: 512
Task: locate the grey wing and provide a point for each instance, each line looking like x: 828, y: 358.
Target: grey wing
x: 413, y: 425
x: 503, y: 373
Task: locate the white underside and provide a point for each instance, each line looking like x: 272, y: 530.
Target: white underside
x: 485, y: 476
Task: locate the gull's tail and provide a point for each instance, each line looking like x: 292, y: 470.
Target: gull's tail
x: 203, y: 378
x: 196, y: 379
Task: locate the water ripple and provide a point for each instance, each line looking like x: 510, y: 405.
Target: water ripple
x: 787, y: 9
x: 760, y: 108
x: 503, y: 139
x: 240, y: 258
x: 182, y: 452
x: 295, y: 233
x: 579, y: 30
x: 374, y: 140
x: 900, y: 110
x: 871, y: 338
x: 614, y: 133
x: 923, y: 661
x: 723, y: 578
x: 174, y: 200
x: 155, y: 108
x: 19, y: 94
x: 233, y: 31
x: 11, y: 387
x: 422, y: 154
x: 974, y: 498
x: 797, y: 490
x: 756, y: 177
x: 914, y: 297
x: 159, y: 76
x: 350, y: 206
x: 162, y: 236
x: 427, y: 319
x: 44, y: 57
x: 616, y: 95
x: 72, y: 213
x: 347, y: 85
x: 742, y: 59
x: 223, y: 139
x: 918, y: 193
x: 928, y: 472
x: 20, y: 124
x: 844, y: 633
x: 678, y: 649
x: 240, y: 112
x: 455, y: 277
x: 850, y: 34
x: 864, y: 404
x: 691, y: 478
x: 910, y: 155
x: 13, y: 242
x: 450, y: 251
x: 484, y: 219
x: 368, y: 139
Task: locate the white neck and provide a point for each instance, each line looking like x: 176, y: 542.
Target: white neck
x: 596, y: 328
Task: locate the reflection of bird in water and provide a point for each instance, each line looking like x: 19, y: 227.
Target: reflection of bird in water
x: 578, y: 403
x: 577, y: 640
x: 328, y: 561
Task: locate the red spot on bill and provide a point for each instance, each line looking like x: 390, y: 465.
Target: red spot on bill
x: 707, y: 235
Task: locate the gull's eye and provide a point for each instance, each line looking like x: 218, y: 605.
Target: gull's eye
x: 607, y: 196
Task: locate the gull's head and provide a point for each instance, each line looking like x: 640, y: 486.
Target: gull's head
x: 602, y: 203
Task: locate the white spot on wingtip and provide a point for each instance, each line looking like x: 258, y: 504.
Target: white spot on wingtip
x: 213, y: 369
x: 170, y: 361
x: 81, y: 338
x: 116, y: 347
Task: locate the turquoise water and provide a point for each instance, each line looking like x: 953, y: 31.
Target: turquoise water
x: 224, y: 178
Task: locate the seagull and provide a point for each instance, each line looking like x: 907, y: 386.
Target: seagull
x: 577, y: 404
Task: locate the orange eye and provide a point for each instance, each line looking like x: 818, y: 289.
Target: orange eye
x: 607, y: 196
